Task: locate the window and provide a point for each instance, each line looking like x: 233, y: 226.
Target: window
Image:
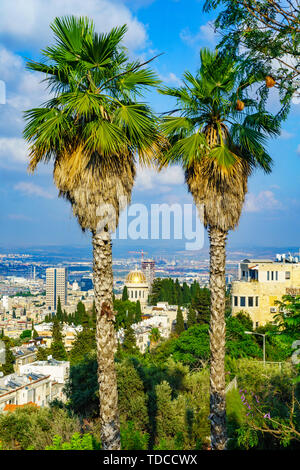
x: 256, y: 301
x: 268, y: 275
x: 276, y: 275
x: 256, y: 324
x: 272, y: 275
x: 244, y: 273
x: 250, y: 301
x: 242, y: 301
x: 235, y: 301
x: 287, y: 274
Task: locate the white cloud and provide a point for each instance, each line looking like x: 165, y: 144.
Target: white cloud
x: 261, y: 202
x: 12, y: 150
x: 163, y: 181
x: 206, y: 34
x: 23, y: 91
x: 170, y: 79
x: 26, y: 23
x: 286, y: 135
x: 30, y: 189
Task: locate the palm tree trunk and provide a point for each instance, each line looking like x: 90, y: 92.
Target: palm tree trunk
x: 217, y: 338
x: 106, y: 342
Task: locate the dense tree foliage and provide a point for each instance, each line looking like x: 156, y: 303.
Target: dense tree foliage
x: 168, y: 290
x: 266, y: 35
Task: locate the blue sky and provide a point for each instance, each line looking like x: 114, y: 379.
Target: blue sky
x: 31, y: 213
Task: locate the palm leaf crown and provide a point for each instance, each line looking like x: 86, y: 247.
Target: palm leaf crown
x: 217, y: 144
x: 93, y: 126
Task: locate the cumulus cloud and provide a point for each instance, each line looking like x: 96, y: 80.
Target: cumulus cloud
x: 23, y: 91
x: 261, y: 202
x: 170, y: 79
x: 164, y: 181
x: 30, y: 189
x: 12, y: 150
x: 286, y: 135
x: 206, y: 34
x: 26, y: 23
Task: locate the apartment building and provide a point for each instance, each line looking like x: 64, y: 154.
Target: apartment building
x: 20, y: 390
x: 261, y: 283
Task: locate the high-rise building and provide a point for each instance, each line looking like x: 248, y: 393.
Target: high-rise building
x: 56, y: 287
x: 148, y: 268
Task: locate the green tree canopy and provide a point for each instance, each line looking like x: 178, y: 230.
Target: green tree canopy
x: 266, y: 34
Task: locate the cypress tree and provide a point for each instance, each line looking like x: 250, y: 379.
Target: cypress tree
x: 129, y: 343
x: 80, y: 313
x: 186, y: 295
x: 179, y: 328
x: 8, y: 366
x: 138, y: 312
x: 85, y: 320
x: 191, y: 317
x: 59, y: 312
x: 125, y: 294
x: 35, y: 334
x: 57, y: 346
x: 201, y: 303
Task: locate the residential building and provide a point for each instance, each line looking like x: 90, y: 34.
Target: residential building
x: 58, y: 370
x: 23, y: 355
x: 261, y: 283
x: 19, y: 390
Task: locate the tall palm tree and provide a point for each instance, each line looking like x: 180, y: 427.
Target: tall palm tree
x: 218, y: 133
x: 93, y: 129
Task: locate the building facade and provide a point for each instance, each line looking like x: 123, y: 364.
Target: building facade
x: 261, y: 283
x: 56, y: 287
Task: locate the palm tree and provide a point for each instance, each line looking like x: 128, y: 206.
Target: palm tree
x: 93, y: 129
x: 154, y: 337
x: 218, y: 134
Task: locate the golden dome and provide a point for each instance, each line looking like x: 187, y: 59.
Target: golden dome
x: 136, y: 277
